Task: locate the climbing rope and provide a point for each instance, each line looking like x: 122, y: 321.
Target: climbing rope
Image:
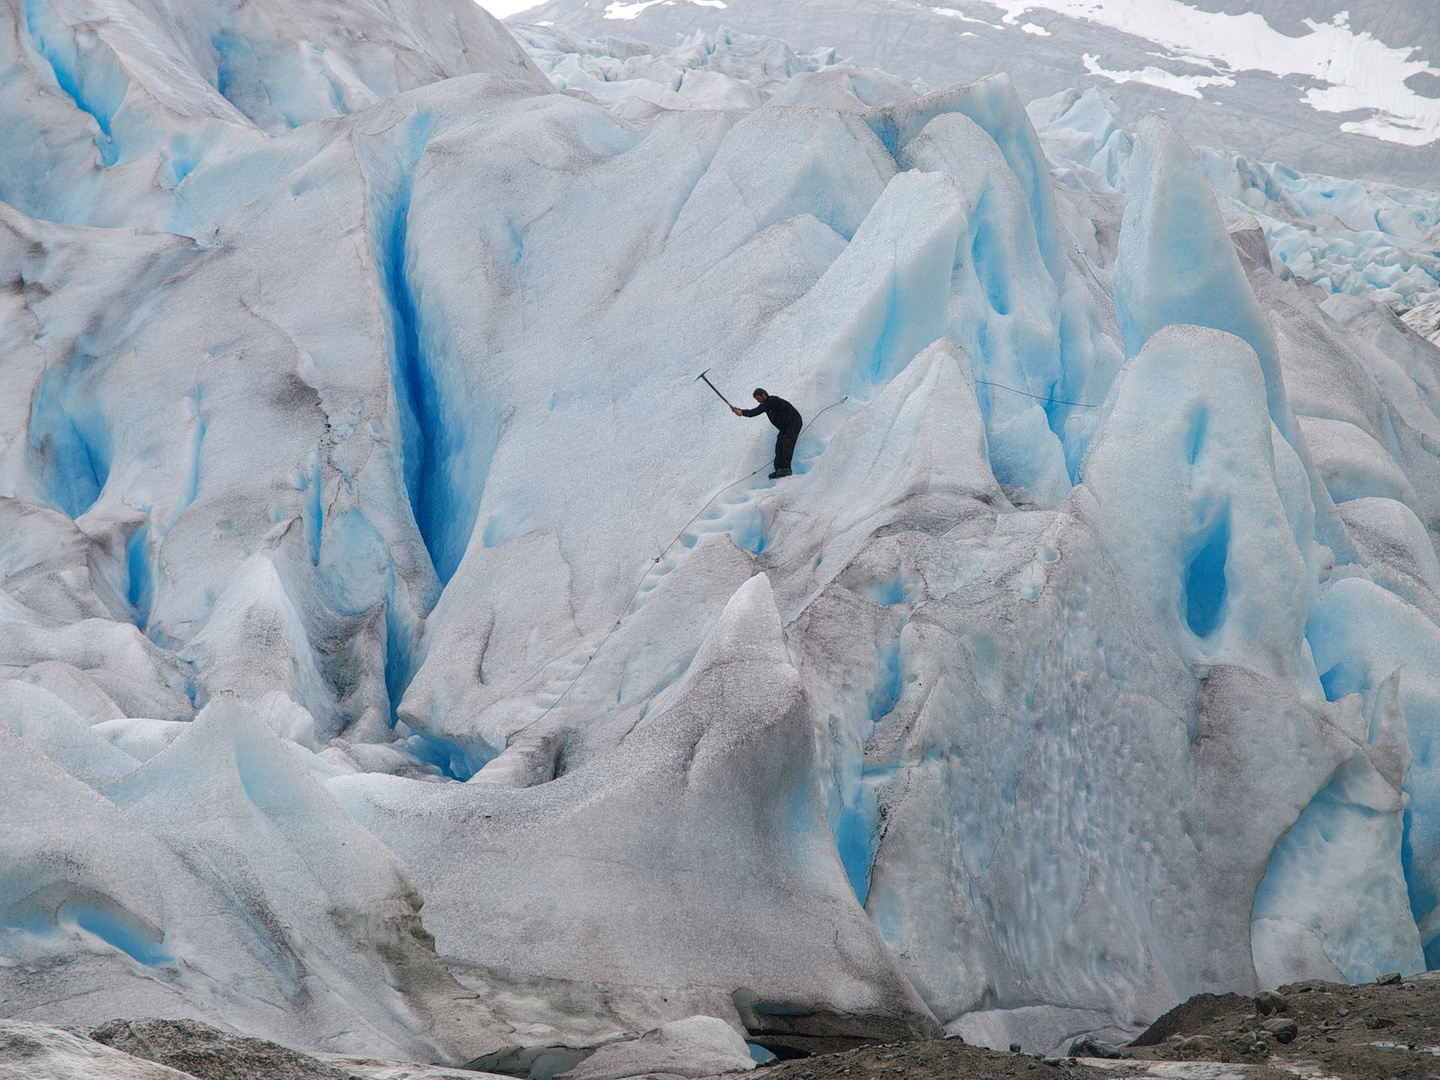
x: 1037, y: 397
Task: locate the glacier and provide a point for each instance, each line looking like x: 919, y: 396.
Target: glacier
x: 1345, y: 88
x: 402, y: 654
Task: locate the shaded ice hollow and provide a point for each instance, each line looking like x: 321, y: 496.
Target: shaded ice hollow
x: 367, y: 544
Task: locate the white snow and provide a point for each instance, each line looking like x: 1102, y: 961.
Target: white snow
x: 953, y: 13
x: 618, y: 9
x: 1189, y: 85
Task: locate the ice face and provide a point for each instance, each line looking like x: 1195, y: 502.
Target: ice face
x: 1365, y: 640
x: 1176, y: 262
x: 367, y: 540
x: 720, y: 774
x: 177, y: 894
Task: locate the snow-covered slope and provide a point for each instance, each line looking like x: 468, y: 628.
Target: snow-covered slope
x: 368, y: 543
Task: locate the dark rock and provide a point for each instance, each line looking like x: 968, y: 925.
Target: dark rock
x: 1200, y: 1048
x: 1268, y: 1001
x: 211, y: 1054
x: 1015, y: 1048
x: 763, y: 1017
x: 1282, y: 1028
x: 1197, y: 1012
x: 1375, y: 1023
x: 1088, y: 1047
x: 1392, y: 979
x: 1251, y: 241
x: 788, y: 1047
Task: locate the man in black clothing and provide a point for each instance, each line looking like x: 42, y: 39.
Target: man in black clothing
x: 785, y: 417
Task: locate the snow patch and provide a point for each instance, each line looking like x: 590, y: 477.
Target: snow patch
x: 1189, y: 85
x: 618, y: 9
x: 1357, y: 71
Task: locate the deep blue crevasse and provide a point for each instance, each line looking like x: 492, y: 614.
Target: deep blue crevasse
x: 1205, y: 587
x: 72, y: 438
x: 95, y: 83
x: 433, y: 435
x: 139, y: 584
x: 856, y: 823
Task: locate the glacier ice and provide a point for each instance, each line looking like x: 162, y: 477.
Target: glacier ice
x: 703, y: 70
x: 1344, y: 236
x: 718, y: 774
x: 183, y: 895
x: 1185, y: 478
x: 401, y: 654
x: 1222, y: 87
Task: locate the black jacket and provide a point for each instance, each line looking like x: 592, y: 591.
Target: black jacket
x: 781, y: 413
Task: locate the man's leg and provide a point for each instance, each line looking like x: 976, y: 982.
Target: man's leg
x: 785, y: 448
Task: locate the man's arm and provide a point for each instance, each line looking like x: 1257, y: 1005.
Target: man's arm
x: 756, y: 411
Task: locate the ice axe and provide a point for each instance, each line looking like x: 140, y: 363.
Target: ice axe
x: 711, y: 385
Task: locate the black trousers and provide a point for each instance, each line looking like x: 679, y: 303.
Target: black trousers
x: 785, y: 446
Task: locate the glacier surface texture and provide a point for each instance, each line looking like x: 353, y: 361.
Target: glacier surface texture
x: 402, y: 654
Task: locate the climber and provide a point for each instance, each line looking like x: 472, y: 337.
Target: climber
x: 785, y: 417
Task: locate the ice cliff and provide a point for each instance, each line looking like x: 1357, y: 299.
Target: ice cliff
x: 367, y: 543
